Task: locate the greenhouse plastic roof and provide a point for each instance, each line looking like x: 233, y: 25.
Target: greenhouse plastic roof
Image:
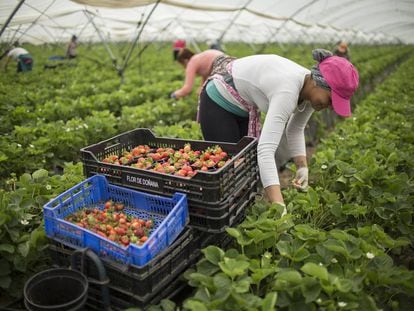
x: 250, y: 21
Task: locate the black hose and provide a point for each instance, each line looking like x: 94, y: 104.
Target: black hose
x: 103, y: 279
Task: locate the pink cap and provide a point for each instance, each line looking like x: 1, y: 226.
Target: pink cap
x: 343, y: 79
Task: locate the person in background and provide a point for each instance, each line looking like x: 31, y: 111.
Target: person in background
x: 216, y: 45
x: 71, y: 50
x: 237, y: 91
x: 177, y: 46
x: 341, y: 49
x: 21, y: 56
x: 195, y: 64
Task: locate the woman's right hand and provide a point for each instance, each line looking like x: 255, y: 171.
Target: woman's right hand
x: 274, y: 195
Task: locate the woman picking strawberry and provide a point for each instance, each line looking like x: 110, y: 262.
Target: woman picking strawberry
x: 238, y: 90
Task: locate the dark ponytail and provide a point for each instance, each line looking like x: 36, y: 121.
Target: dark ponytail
x: 319, y: 55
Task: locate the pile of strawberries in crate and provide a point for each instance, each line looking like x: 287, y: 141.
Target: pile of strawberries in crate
x: 112, y: 223
x: 183, y: 162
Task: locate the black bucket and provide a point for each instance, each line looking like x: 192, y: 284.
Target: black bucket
x: 56, y: 289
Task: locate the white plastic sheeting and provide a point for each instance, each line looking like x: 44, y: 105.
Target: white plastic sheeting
x: 253, y: 21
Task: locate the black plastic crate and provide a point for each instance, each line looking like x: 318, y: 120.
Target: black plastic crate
x: 202, y: 239
x: 121, y: 299
x: 139, y: 281
x: 218, y: 210
x: 205, y: 187
x: 235, y: 209
x: 222, y: 240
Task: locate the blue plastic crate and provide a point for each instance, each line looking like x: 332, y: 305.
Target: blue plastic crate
x: 170, y: 216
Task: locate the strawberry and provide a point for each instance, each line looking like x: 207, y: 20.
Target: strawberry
x: 124, y: 240
x: 217, y: 149
x: 119, y: 206
x: 112, y: 237
x: 108, y: 204
x: 139, y: 232
x: 181, y: 173
x: 101, y: 234
x: 148, y: 223
x: 120, y: 231
x: 187, y: 148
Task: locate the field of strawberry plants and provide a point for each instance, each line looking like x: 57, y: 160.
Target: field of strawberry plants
x: 346, y: 244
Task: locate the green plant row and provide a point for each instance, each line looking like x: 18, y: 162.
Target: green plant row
x: 73, y: 91
x: 52, y: 131
x: 35, y: 142
x: 22, y: 237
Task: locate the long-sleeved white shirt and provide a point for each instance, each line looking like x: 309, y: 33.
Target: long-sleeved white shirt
x: 273, y: 84
x: 16, y: 52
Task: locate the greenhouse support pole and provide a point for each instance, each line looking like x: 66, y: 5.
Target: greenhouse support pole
x: 195, y: 45
x: 160, y: 32
x: 284, y: 23
x: 11, y: 17
x: 50, y: 34
x: 139, y: 24
x: 122, y: 69
x: 79, y: 34
x: 111, y: 55
x: 278, y: 43
x: 42, y: 13
x: 84, y: 27
x: 15, y: 34
x: 233, y: 20
x: 147, y: 44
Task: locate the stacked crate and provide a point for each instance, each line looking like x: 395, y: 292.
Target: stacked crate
x: 132, y: 285
x: 170, y: 216
x: 216, y: 200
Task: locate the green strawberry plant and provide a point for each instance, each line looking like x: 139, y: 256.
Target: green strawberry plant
x: 299, y: 266
x: 344, y: 243
x: 183, y: 130
x: 22, y: 237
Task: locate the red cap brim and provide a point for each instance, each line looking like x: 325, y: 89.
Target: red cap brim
x: 341, y: 106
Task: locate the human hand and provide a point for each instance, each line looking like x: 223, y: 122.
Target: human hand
x: 284, y: 208
x: 301, y: 180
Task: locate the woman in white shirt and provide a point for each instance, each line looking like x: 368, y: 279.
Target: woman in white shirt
x: 22, y: 57
x: 239, y: 90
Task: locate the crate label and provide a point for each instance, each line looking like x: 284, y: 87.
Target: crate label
x: 141, y: 181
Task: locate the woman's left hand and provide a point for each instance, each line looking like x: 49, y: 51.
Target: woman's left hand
x: 301, y: 180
